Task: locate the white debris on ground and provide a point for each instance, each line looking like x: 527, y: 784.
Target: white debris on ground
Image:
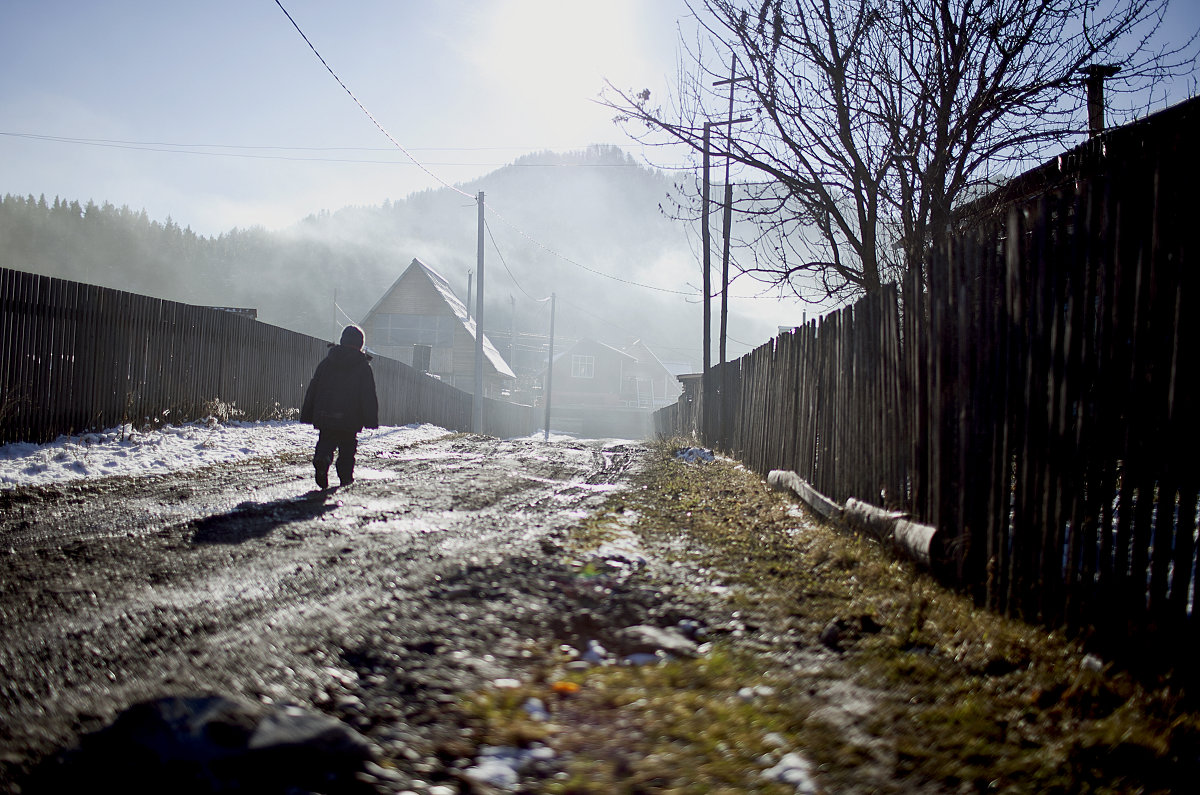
x: 501, y: 766
x: 794, y: 769
x: 622, y: 551
x: 695, y: 455
x: 596, y: 654
x: 760, y: 691
x: 535, y: 708
x: 171, y: 448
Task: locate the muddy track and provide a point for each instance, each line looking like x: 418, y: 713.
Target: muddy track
x: 241, y: 580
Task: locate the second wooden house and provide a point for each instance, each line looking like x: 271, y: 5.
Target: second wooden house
x: 421, y: 322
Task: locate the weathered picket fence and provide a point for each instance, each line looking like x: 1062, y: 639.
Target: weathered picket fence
x: 1030, y: 393
x: 76, y: 357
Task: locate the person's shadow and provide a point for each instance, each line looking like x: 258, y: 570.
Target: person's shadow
x: 257, y: 519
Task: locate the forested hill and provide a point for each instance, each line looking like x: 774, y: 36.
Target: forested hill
x: 554, y: 220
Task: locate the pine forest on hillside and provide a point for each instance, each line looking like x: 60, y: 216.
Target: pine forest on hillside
x: 556, y: 220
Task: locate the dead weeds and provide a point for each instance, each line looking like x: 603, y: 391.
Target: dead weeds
x: 883, y: 679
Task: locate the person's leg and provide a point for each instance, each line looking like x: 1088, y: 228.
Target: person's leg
x: 323, y: 457
x: 347, y: 447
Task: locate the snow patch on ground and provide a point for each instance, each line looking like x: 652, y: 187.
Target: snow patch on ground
x: 171, y: 448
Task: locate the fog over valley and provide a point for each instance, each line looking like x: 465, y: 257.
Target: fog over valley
x: 588, y: 226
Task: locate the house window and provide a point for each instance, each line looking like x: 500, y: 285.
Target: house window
x: 583, y: 366
x: 405, y: 330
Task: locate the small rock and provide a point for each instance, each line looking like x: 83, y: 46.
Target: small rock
x: 226, y: 744
x: 832, y: 635
x: 383, y: 773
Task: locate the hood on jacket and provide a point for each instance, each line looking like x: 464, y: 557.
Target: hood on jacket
x: 343, y: 357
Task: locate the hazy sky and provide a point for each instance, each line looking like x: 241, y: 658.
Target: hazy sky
x: 465, y: 86
x: 217, y: 114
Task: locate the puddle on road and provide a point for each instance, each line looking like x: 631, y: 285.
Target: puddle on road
x: 373, y: 474
x: 434, y: 522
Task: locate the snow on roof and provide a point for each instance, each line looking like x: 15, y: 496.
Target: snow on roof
x: 589, y: 341
x: 456, y: 305
x: 641, y: 350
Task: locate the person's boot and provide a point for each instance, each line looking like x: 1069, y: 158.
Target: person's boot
x: 346, y: 474
x: 322, y: 471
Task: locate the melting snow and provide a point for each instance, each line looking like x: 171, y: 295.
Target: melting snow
x: 171, y: 448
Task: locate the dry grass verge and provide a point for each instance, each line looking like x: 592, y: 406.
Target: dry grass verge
x: 881, y: 679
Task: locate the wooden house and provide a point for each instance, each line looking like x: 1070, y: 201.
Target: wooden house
x: 593, y: 374
x: 421, y: 322
x: 654, y: 384
x: 599, y: 390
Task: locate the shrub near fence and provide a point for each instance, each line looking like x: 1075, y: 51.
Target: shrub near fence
x: 1030, y: 393
x: 76, y: 357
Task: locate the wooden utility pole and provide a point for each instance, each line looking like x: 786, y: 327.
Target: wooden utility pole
x: 512, y: 328
x: 728, y: 214
x: 706, y: 259
x: 477, y: 403
x: 705, y: 242
x: 725, y: 264
x: 549, y: 369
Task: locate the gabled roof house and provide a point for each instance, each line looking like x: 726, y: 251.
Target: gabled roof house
x: 654, y: 383
x: 421, y: 322
x: 599, y: 390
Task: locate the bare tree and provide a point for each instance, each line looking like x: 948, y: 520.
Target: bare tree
x: 874, y: 119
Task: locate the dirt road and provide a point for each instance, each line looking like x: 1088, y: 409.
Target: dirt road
x: 374, y: 603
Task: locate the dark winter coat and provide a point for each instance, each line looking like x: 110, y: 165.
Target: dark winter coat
x: 341, y: 395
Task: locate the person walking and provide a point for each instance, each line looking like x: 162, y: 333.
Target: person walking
x: 340, y: 401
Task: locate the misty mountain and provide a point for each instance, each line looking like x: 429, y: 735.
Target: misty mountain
x: 555, y: 223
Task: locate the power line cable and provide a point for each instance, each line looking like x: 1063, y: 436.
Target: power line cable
x: 457, y: 189
x: 570, y: 303
x: 567, y: 259
x: 197, y: 150
x: 363, y: 108
x: 603, y: 319
x: 505, y: 264
x: 343, y: 311
x: 522, y: 148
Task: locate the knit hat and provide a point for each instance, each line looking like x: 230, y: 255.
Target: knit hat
x: 353, y: 337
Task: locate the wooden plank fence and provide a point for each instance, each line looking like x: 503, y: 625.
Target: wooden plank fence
x: 1029, y: 392
x: 76, y: 357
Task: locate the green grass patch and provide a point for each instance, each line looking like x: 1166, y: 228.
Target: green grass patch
x: 685, y: 726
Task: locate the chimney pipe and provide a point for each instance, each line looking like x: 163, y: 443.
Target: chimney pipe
x: 1096, y: 74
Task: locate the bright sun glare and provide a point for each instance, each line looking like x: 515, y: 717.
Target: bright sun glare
x: 548, y: 52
